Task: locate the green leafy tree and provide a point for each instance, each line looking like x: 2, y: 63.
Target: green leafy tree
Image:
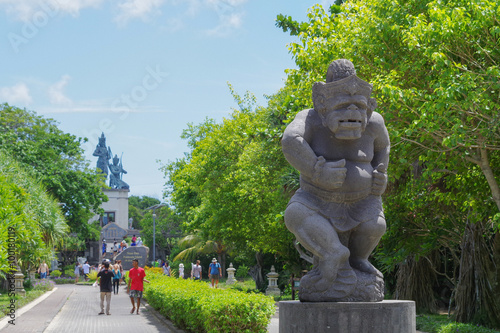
x: 56, y: 159
x: 30, y: 218
x: 166, y: 230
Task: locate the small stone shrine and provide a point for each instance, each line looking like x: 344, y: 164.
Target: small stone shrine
x: 230, y: 274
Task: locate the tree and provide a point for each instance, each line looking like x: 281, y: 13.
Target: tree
x: 56, y: 159
x: 31, y: 220
x: 167, y: 230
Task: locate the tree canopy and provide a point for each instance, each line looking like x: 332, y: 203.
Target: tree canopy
x: 56, y: 159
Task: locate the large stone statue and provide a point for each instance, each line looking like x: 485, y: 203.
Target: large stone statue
x: 103, y: 154
x: 341, y: 148
x: 115, y: 178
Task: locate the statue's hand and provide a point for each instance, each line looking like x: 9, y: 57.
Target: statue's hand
x: 379, y: 182
x: 331, y: 174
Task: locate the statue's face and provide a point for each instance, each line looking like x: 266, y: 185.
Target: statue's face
x: 346, y: 116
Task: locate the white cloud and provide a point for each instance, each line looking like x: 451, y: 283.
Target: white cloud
x: 143, y: 9
x: 56, y: 94
x: 29, y: 10
x: 227, y: 23
x: 16, y: 95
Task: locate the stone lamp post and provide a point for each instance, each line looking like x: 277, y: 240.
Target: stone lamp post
x: 230, y: 274
x: 273, y: 289
x: 19, y: 282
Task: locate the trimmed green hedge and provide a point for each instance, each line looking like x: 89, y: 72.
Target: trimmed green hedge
x: 195, y: 307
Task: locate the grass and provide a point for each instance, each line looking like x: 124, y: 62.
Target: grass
x: 443, y: 324
x: 40, y: 288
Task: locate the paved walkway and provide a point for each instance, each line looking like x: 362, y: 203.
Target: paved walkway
x: 75, y: 308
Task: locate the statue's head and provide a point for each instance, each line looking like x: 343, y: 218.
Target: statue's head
x: 102, y: 140
x: 343, y: 101
x: 116, y: 159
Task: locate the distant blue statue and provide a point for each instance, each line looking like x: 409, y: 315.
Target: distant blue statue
x: 103, y: 154
x: 117, y: 170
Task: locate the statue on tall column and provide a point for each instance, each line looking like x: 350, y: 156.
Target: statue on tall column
x: 103, y: 154
x: 341, y: 148
x: 116, y: 170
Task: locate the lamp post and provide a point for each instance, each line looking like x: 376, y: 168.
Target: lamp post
x: 154, y: 226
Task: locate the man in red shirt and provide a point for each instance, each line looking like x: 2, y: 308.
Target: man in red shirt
x: 136, y: 278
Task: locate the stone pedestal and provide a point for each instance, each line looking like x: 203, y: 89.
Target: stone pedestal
x: 389, y: 316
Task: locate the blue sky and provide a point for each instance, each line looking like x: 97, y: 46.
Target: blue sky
x: 140, y: 70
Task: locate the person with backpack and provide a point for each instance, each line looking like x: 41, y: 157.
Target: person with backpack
x: 116, y: 278
x: 214, y: 271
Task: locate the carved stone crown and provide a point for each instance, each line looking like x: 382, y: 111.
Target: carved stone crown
x: 351, y: 85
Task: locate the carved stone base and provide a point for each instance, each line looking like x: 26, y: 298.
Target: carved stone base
x: 389, y: 316
x: 351, y: 285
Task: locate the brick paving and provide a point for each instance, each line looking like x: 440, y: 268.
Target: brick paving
x: 75, y: 308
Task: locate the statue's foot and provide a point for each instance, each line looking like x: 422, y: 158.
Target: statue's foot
x: 365, y: 266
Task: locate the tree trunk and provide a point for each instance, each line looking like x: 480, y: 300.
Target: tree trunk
x: 415, y: 280
x: 476, y: 300
x: 490, y: 177
x: 256, y: 272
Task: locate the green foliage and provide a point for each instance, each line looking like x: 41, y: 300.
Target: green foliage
x: 92, y: 275
x: 195, y: 307
x: 242, y: 272
x: 57, y: 161
x: 44, y: 285
x: 56, y: 273
x: 64, y: 280
x: 442, y: 324
x: 167, y: 230
x: 30, y: 217
x: 229, y: 186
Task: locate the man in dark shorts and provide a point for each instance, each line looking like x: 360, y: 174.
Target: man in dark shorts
x: 136, y: 279
x: 214, y: 271
x: 105, y: 278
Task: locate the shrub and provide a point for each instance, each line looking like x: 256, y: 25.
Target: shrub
x: 44, y: 285
x: 56, y: 273
x: 196, y: 307
x: 93, y: 275
x: 64, y: 280
x: 70, y: 273
x: 241, y: 272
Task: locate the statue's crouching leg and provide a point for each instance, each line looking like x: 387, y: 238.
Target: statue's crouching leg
x: 316, y: 234
x: 363, y: 241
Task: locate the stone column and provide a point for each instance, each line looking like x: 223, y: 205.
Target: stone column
x: 273, y: 289
x: 230, y: 274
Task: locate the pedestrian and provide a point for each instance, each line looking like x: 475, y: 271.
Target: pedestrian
x: 116, y: 278
x: 134, y: 239
x: 105, y: 278
x: 43, y: 270
x: 166, y: 269
x: 181, y: 271
x: 86, y: 270
x: 136, y: 279
x: 115, y: 248
x: 119, y: 262
x: 78, y: 266
x: 139, y: 241
x: 104, y: 247
x: 214, y: 271
x: 196, y: 271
